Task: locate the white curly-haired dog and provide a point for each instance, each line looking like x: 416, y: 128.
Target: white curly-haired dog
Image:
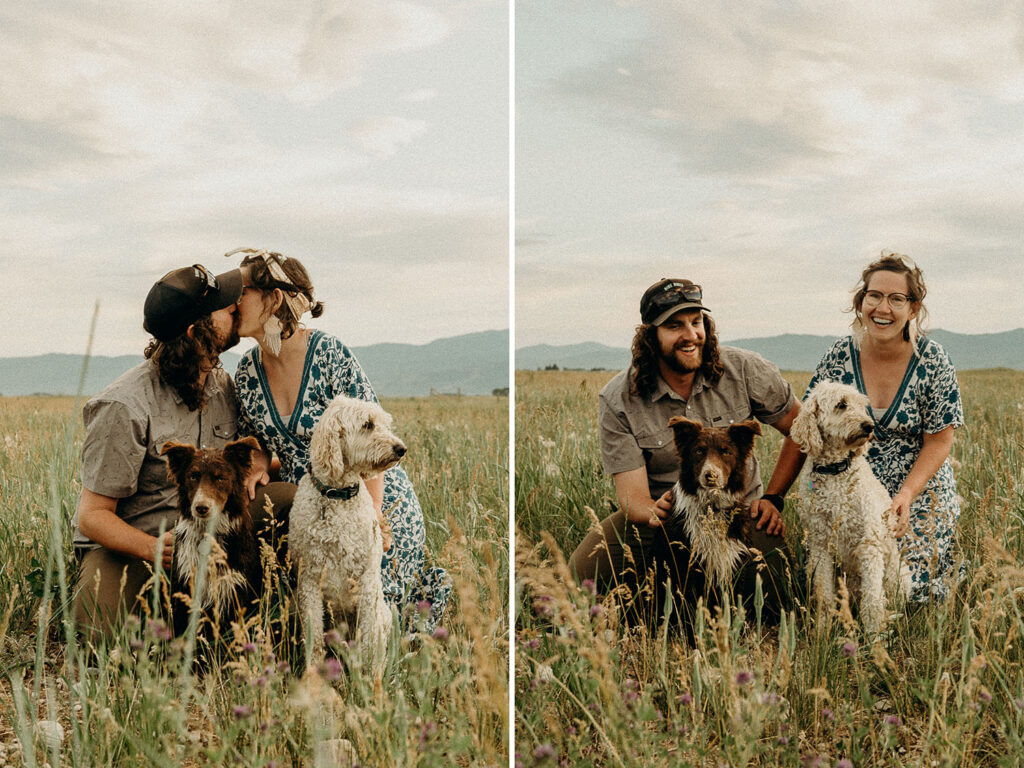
x: 846, y: 523
x: 334, y: 535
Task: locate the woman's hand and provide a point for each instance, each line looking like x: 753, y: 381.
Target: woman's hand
x: 899, y: 515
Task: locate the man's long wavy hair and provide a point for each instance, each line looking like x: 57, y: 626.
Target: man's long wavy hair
x: 643, y: 373
x: 180, y: 361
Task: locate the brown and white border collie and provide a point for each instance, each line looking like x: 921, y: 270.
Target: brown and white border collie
x: 710, y: 534
x: 211, y: 487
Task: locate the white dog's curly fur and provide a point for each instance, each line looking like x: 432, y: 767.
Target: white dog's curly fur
x: 334, y: 535
x: 846, y: 522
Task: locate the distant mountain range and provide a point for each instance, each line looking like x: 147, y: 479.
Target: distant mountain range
x: 473, y: 364
x: 791, y: 352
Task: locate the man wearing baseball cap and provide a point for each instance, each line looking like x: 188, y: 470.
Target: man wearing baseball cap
x: 179, y: 393
x: 678, y: 369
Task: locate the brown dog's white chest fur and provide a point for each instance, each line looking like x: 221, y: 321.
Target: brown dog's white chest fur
x: 711, y: 485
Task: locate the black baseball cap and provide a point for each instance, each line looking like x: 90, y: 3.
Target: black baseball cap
x: 183, y: 296
x: 668, y: 296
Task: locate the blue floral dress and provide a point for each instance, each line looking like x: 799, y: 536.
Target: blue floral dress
x: 928, y: 400
x: 330, y: 370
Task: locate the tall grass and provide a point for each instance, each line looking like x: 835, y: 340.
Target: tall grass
x: 944, y: 687
x: 443, y: 699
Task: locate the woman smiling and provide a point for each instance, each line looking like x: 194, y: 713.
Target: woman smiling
x: 915, y: 403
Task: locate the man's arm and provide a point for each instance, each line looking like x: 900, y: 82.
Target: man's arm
x: 98, y: 521
x: 787, y: 467
x: 635, y: 498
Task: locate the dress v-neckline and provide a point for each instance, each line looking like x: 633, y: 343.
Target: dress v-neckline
x: 897, y: 399
x: 290, y: 426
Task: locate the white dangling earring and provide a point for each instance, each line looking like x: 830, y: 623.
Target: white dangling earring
x: 272, y: 335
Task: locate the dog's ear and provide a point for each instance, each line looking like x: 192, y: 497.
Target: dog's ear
x: 743, y: 433
x: 804, y: 430
x: 326, y: 447
x: 179, y: 457
x: 685, y: 430
x: 238, y: 454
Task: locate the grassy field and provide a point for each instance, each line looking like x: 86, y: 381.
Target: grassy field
x: 945, y: 687
x: 444, y: 699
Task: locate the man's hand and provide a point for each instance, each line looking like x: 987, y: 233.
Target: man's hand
x: 770, y: 518
x: 168, y: 551
x: 899, y: 515
x: 662, y: 509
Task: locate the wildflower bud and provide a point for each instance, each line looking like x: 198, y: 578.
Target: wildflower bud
x: 544, y: 751
x: 331, y: 669
x: 893, y: 720
x: 744, y: 677
x: 827, y: 714
x: 686, y: 699
x: 844, y: 763
x: 849, y: 650
x: 440, y: 633
x: 241, y: 711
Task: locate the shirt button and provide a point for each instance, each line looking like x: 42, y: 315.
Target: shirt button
x: 659, y: 442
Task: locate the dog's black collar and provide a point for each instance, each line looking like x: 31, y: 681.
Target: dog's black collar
x: 331, y: 492
x: 835, y: 468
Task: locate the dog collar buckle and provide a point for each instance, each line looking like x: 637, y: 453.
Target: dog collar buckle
x: 331, y: 492
x: 832, y: 469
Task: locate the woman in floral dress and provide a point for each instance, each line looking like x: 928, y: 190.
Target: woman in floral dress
x: 284, y: 385
x: 915, y: 403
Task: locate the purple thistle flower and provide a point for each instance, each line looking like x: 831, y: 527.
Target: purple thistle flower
x: 241, y: 711
x: 686, y: 699
x: 1018, y: 703
x: 744, y: 677
x: 284, y: 667
x: 589, y: 586
x: 827, y: 714
x: 893, y: 720
x: 844, y: 763
x: 424, y: 606
x: 331, y: 668
x: 249, y: 647
x: 812, y: 761
x: 985, y: 696
x: 544, y: 751
x: 260, y: 682
x: 440, y: 633
x: 333, y: 638
x: 849, y: 650
x: 771, y: 699
x: 159, y: 630
x: 596, y: 610
x: 783, y: 740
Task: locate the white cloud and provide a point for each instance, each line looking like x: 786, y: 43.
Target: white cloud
x: 383, y: 136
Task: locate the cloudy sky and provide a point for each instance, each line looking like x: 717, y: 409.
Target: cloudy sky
x: 368, y: 138
x: 768, y: 150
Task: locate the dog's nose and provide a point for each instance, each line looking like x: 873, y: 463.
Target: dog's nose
x: 867, y: 426
x: 201, y: 510
x: 399, y: 450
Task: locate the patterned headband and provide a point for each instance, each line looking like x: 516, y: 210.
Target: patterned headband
x: 296, y: 301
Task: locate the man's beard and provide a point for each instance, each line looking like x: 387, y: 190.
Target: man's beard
x: 673, y: 363
x: 232, y: 337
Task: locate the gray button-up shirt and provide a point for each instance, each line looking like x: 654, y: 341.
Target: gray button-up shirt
x: 635, y: 431
x: 128, y: 423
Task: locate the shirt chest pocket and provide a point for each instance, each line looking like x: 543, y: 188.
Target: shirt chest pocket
x: 225, y: 431
x: 659, y: 449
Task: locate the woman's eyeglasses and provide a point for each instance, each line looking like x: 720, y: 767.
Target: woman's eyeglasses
x: 896, y: 300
